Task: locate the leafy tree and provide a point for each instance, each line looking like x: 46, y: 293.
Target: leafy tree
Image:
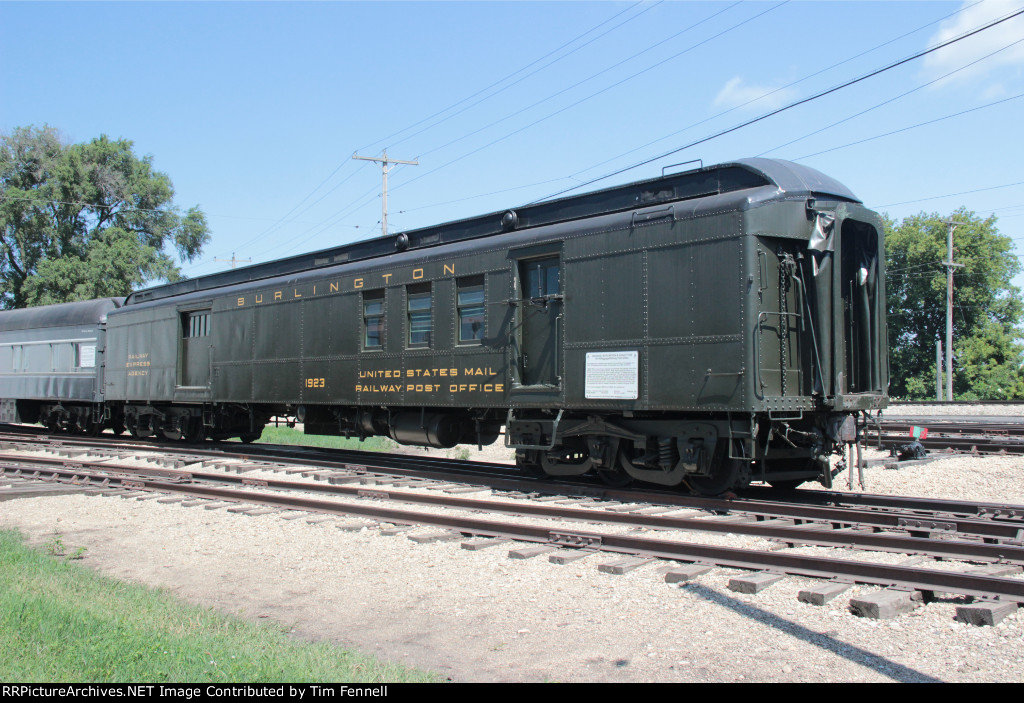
x: 987, y: 310
x: 89, y: 220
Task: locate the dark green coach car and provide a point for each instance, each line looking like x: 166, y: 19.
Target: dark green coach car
x: 702, y: 329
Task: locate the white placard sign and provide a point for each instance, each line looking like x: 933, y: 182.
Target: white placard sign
x: 613, y: 375
x: 87, y: 356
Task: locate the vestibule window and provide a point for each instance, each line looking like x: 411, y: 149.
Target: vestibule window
x: 373, y: 320
x: 195, y: 324
x: 470, y: 304
x: 420, y: 315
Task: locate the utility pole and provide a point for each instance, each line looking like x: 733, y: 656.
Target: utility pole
x: 234, y: 261
x: 384, y: 161
x: 949, y: 308
x: 938, y: 369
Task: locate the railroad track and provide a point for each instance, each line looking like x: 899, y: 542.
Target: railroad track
x: 805, y: 505
x: 995, y: 436
x: 985, y: 533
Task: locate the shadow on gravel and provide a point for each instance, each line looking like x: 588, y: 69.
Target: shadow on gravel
x: 886, y: 667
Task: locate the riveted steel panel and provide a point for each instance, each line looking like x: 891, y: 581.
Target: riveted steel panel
x: 605, y: 298
x: 233, y: 334
x: 278, y: 331
x: 274, y: 381
x: 717, y: 285
x: 233, y: 382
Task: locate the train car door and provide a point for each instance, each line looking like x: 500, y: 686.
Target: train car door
x: 860, y: 322
x: 194, y: 355
x: 541, y: 312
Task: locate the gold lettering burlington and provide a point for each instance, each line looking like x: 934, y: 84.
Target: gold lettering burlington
x: 359, y: 283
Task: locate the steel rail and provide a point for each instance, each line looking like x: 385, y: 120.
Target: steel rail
x: 505, y: 477
x: 956, y: 426
x: 981, y: 445
x: 950, y: 549
x: 819, y: 567
x: 954, y: 402
x: 913, y: 522
x: 483, y: 473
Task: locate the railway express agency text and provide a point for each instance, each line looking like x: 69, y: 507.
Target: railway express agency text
x: 192, y: 692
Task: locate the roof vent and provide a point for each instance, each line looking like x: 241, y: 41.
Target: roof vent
x: 509, y: 221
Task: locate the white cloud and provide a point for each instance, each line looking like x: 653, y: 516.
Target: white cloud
x: 736, y: 94
x: 967, y: 50
x: 995, y: 91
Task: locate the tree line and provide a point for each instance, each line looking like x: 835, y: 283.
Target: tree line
x: 987, y: 308
x: 92, y: 220
x: 88, y: 220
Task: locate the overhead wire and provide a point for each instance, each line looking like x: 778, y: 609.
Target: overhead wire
x: 948, y: 195
x: 774, y: 91
x: 588, y: 97
x: 520, y: 80
x: 910, y: 127
x: 388, y: 138
x: 284, y: 218
x: 592, y: 77
x: 892, y: 99
x: 918, y: 55
x: 400, y: 184
x: 794, y: 104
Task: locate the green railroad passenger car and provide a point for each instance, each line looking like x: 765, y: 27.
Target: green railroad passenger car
x: 702, y: 329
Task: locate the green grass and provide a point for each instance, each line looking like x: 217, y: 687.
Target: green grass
x: 290, y: 435
x: 61, y: 622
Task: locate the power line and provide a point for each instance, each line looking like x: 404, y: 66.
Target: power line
x: 913, y: 126
x: 478, y: 195
x: 893, y: 99
x: 283, y: 219
x: 384, y: 161
x: 97, y: 206
x: 595, y: 75
x: 588, y: 97
x: 794, y: 104
x: 948, y: 195
x: 523, y: 78
x: 776, y: 90
x: 514, y: 73
x: 234, y: 261
x: 911, y: 266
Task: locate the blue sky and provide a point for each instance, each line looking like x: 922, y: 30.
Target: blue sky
x: 255, y: 109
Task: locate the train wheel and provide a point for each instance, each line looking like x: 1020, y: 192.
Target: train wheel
x: 616, y: 478
x: 117, y: 427
x: 139, y: 432
x: 728, y: 475
x: 250, y: 437
x: 196, y: 431
x: 526, y: 461
x: 567, y: 462
x: 786, y: 484
x: 172, y: 435
x: 791, y: 465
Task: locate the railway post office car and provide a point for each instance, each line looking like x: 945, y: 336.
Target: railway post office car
x: 51, y: 364
x: 701, y: 329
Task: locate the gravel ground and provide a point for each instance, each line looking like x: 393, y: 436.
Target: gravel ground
x: 896, y: 412
x: 479, y: 616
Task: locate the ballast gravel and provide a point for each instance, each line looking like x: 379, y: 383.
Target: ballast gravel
x: 481, y: 616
